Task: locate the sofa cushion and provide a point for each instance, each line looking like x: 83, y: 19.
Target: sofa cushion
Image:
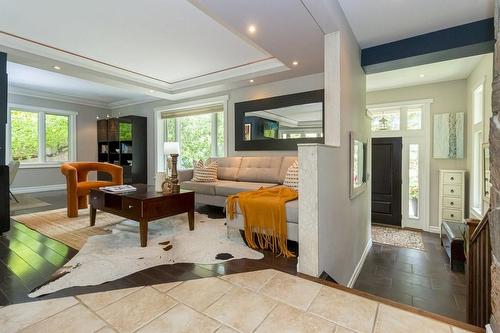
x: 264, y: 169
x: 227, y: 167
x: 285, y: 164
x: 229, y: 188
x: 204, y: 172
x: 205, y: 188
x: 292, y: 211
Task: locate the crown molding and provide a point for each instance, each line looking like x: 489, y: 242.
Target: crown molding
x: 76, y: 100
x: 56, y: 97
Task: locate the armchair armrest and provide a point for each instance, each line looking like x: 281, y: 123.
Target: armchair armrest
x: 71, y: 176
x: 185, y: 175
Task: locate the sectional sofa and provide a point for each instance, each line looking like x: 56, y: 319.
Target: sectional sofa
x: 239, y: 174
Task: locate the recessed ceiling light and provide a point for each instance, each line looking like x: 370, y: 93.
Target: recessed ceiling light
x: 57, y: 68
x: 251, y: 81
x: 421, y: 75
x: 295, y: 63
x: 252, y: 29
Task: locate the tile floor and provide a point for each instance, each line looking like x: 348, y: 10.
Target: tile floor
x: 259, y: 301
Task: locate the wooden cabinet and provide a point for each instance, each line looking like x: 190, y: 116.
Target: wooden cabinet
x: 451, y: 195
x: 123, y: 141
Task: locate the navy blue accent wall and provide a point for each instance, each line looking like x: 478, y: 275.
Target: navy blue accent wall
x: 460, y: 41
x: 4, y: 170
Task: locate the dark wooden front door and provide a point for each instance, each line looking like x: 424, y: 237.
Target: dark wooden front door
x: 386, y: 180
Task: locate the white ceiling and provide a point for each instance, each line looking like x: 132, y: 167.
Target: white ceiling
x: 168, y: 40
x: 30, y: 80
x: 383, y: 21
x: 456, y: 69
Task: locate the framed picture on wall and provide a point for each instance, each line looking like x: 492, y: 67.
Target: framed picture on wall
x: 449, y: 135
x: 248, y: 132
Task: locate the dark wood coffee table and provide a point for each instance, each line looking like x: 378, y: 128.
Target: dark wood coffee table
x: 144, y: 205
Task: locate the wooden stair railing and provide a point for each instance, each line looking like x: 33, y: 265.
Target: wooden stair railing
x: 478, y: 274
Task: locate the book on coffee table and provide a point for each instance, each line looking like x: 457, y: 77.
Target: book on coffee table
x: 118, y: 189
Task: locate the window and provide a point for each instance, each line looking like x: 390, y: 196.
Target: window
x: 413, y: 180
x: 386, y: 120
x: 414, y: 118
x: 41, y: 136
x: 199, y: 131
x: 476, y: 170
x: 478, y: 104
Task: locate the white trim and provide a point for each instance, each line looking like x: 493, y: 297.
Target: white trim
x: 360, y: 264
x: 434, y: 229
x: 34, y: 189
x: 421, y: 137
x: 402, y: 103
x: 57, y: 97
x: 159, y: 128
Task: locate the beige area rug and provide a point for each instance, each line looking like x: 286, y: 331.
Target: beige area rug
x: 109, y: 257
x: 397, y: 237
x: 73, y: 232
x: 26, y: 202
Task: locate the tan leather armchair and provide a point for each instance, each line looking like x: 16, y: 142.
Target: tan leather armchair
x: 78, y: 186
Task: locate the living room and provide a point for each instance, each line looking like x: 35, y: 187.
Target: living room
x: 217, y: 137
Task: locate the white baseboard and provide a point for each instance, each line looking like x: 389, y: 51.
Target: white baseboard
x: 34, y: 189
x: 360, y: 264
x: 434, y: 230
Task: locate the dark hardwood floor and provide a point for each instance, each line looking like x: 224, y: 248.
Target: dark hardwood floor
x: 418, y: 278
x: 422, y: 279
x: 28, y: 259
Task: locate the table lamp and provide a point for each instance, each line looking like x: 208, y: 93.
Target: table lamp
x: 171, y: 150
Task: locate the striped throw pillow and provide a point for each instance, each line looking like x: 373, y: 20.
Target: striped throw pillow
x: 292, y: 176
x: 204, y: 172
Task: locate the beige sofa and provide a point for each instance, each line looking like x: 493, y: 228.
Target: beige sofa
x: 238, y: 174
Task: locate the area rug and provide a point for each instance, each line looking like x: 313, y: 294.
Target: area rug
x: 397, y: 237
x: 73, y: 232
x: 26, y: 202
x: 109, y: 257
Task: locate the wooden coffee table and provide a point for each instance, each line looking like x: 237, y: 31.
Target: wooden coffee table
x: 144, y: 205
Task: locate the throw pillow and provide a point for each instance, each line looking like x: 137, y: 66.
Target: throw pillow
x: 204, y: 172
x: 292, y: 176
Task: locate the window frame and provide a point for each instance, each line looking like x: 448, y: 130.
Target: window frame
x: 41, y: 111
x: 160, y: 130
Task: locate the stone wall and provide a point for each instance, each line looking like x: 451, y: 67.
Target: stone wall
x: 495, y: 181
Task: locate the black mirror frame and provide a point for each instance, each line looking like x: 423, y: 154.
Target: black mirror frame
x: 241, y: 108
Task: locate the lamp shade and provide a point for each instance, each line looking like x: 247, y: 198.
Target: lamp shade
x: 171, y: 148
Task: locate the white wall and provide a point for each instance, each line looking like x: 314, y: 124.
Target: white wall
x: 86, y: 140
x: 344, y: 224
x: 284, y: 87
x: 448, y: 97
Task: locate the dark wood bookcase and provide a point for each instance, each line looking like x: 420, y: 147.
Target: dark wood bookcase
x: 123, y: 141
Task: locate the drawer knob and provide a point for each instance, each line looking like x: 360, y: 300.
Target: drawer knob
x: 452, y: 178
x: 452, y: 215
x: 130, y: 206
x: 452, y: 203
x: 452, y: 191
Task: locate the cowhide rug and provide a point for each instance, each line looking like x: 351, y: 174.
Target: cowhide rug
x: 106, y: 258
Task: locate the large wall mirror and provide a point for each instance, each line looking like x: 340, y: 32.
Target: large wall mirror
x: 281, y: 122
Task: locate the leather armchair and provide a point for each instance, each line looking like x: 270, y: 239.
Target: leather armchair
x: 78, y: 185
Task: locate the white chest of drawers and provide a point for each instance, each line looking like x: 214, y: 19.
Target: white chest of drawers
x: 451, y: 196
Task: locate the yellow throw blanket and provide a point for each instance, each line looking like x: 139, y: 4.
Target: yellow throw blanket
x: 264, y: 214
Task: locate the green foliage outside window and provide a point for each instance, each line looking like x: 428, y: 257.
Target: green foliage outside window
x: 25, y: 136
x: 195, y: 136
x: 56, y: 137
